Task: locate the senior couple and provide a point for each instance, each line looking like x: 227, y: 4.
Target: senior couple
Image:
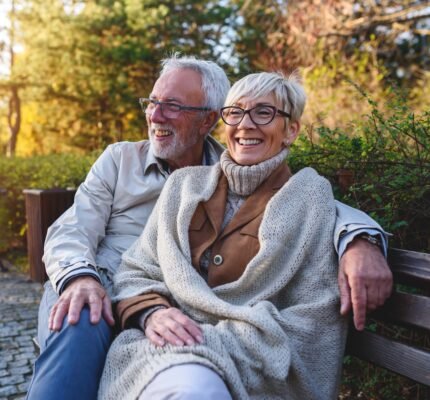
x: 231, y: 290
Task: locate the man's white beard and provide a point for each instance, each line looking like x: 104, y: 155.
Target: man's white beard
x: 175, y: 147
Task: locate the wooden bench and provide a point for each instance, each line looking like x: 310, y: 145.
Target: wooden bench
x: 408, y: 307
x: 42, y: 208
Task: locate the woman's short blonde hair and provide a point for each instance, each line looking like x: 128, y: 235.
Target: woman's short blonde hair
x: 288, y: 91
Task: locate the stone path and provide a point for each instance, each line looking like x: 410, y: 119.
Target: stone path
x: 19, y: 300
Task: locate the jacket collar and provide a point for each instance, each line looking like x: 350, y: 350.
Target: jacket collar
x: 212, y: 150
x: 152, y: 162
x: 251, y: 208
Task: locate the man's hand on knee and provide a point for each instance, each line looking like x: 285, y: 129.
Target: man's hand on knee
x: 82, y: 290
x: 365, y: 280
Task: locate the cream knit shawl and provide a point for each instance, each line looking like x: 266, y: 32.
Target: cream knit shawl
x: 276, y: 332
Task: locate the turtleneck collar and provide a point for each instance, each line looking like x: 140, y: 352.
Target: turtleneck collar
x: 244, y: 179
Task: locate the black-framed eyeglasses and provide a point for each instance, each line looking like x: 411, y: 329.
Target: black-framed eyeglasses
x: 260, y: 115
x: 168, y: 110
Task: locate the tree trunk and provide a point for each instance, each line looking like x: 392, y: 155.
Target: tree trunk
x: 14, y: 120
x: 14, y: 112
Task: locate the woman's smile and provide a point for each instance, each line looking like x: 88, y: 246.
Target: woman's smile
x: 248, y: 142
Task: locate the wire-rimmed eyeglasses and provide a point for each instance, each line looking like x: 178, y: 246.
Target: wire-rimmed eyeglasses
x: 168, y: 110
x: 260, y: 115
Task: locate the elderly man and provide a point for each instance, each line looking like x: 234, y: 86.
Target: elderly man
x: 84, y: 246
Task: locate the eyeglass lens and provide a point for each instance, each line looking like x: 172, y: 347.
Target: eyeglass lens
x: 260, y: 115
x: 168, y: 110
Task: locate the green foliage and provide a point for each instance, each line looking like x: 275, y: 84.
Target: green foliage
x: 362, y: 380
x: 387, y: 156
x: 86, y: 64
x: 40, y: 172
x: 332, y: 40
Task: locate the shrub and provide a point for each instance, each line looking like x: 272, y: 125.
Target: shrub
x: 39, y: 172
x: 387, y: 155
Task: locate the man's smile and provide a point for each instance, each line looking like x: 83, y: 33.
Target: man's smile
x: 163, y: 132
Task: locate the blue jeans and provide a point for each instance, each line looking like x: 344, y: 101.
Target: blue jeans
x: 71, y: 361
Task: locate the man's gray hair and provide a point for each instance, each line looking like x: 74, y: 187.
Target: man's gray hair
x: 288, y: 91
x: 215, y: 83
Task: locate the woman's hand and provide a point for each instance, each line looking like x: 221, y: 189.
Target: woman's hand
x: 171, y: 325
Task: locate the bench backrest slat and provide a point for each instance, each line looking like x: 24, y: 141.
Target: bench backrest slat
x: 410, y: 267
x: 397, y: 357
x: 409, y: 307
x: 406, y: 308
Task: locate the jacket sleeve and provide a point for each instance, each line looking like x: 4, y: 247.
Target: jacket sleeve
x: 71, y: 242
x: 128, y: 309
x: 139, y: 286
x: 351, y: 222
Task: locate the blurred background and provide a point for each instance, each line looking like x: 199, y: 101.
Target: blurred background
x: 71, y: 73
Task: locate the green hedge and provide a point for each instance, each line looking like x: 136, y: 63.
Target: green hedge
x: 40, y: 172
x: 388, y: 157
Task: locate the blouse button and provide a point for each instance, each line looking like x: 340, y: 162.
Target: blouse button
x: 218, y: 260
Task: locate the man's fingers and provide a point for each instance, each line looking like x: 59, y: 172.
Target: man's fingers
x: 386, y: 288
x: 51, y: 317
x: 81, y: 291
x: 345, y: 297
x: 59, y: 312
x: 373, y: 298
x: 75, y: 308
x: 378, y: 290
x: 107, y: 311
x: 96, y: 305
x: 369, y: 277
x: 359, y: 301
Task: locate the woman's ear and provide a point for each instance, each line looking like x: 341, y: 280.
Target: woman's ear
x: 293, y: 129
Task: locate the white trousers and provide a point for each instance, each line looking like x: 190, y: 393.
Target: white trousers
x: 186, y: 382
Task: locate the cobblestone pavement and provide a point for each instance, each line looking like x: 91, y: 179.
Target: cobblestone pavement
x: 19, y: 300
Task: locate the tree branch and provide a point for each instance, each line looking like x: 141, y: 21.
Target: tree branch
x: 364, y: 23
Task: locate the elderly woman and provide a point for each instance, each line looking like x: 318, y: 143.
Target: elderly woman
x: 232, y: 285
